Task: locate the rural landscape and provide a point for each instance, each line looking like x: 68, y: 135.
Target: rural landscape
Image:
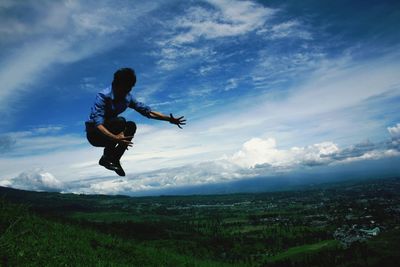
x: 351, y: 223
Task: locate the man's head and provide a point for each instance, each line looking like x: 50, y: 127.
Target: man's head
x: 124, y: 80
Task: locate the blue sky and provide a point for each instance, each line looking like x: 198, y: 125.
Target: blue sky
x: 267, y: 87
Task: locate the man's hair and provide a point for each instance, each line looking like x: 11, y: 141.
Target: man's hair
x: 124, y: 76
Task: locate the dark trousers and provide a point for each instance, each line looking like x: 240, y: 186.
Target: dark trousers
x: 112, y: 150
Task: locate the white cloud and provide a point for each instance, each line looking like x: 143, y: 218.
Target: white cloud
x: 259, y: 151
x: 287, y: 29
x: 220, y: 19
x: 47, y: 129
x: 226, y: 19
x: 37, y: 180
x: 112, y: 187
x: 172, y: 55
x: 231, y: 84
x: 187, y: 175
x: 394, y: 131
x: 395, y: 136
x: 71, y: 163
x: 330, y: 90
x: 38, y: 140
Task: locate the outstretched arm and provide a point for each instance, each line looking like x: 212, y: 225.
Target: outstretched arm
x: 147, y: 112
x: 159, y: 116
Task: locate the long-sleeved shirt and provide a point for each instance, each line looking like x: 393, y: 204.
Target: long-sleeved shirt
x: 106, y: 107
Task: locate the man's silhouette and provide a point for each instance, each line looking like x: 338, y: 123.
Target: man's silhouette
x: 106, y: 129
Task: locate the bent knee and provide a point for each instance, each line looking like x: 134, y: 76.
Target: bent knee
x: 130, y: 127
x: 120, y: 119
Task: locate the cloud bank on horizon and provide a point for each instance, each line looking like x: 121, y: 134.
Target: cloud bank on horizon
x: 257, y: 158
x: 248, y: 75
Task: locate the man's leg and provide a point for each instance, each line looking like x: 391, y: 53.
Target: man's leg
x: 119, y: 150
x: 130, y: 130
x: 98, y: 139
x: 115, y: 126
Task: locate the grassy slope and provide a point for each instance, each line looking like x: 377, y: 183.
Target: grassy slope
x: 303, y: 250
x: 29, y: 240
x: 376, y: 252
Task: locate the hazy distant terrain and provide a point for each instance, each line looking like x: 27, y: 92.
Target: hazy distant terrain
x: 349, y: 223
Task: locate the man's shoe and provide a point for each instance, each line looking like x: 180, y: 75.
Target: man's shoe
x: 119, y: 169
x: 108, y: 164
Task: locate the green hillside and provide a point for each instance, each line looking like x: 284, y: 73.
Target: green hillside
x: 30, y: 240
x: 323, y: 226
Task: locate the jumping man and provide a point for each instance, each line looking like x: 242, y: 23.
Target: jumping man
x: 106, y: 129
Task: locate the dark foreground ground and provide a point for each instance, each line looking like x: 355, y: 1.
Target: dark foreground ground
x: 354, y: 223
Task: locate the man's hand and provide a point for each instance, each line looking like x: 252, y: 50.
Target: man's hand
x: 159, y: 116
x: 122, y: 139
x: 178, y: 121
